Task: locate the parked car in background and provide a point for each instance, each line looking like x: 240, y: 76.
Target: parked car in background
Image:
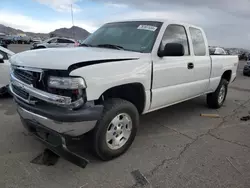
x: 36, y: 40
x: 22, y: 39
x: 243, y: 56
x: 3, y: 43
x: 217, y: 51
x: 55, y: 42
x: 25, y: 40
x: 7, y: 39
x: 104, y: 86
x: 5, y: 55
x: 246, y: 70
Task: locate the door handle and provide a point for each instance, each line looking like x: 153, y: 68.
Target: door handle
x: 190, y: 65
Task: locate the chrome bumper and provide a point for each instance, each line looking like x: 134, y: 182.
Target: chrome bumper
x: 42, y: 95
x: 66, y: 128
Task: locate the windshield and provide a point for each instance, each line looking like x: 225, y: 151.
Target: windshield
x: 47, y: 40
x: 136, y: 36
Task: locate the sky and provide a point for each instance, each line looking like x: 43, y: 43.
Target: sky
x: 226, y: 22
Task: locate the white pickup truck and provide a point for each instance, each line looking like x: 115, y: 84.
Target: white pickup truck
x: 122, y: 70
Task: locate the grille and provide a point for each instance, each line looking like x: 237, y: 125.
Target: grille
x: 26, y: 76
x: 20, y: 92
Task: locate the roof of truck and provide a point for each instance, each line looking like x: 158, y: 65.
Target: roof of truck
x: 157, y: 20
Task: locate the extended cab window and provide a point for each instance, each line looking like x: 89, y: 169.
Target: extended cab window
x: 176, y: 34
x: 198, y: 42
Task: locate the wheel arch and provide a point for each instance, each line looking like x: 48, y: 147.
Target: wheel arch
x: 227, y: 75
x: 132, y: 92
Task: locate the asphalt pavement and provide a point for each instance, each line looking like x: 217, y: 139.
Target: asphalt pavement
x: 19, y: 47
x: 175, y: 147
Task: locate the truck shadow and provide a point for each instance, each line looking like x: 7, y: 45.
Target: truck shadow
x: 172, y: 115
x: 8, y: 106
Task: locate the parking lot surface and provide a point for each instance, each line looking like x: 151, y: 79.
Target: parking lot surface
x: 19, y: 47
x: 175, y: 147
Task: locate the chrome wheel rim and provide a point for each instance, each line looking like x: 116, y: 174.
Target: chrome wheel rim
x: 119, y: 131
x: 222, y: 94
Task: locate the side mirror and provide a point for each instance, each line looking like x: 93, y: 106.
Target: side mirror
x: 172, y: 49
x: 1, y: 58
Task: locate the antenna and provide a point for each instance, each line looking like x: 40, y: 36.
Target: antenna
x: 72, y: 16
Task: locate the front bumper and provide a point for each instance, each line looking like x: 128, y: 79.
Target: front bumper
x: 56, y: 142
x: 63, y: 138
x: 62, y: 121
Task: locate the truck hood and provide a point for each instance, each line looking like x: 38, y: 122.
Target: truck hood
x: 62, y: 58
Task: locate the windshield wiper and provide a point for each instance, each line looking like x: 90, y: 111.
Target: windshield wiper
x: 113, y: 46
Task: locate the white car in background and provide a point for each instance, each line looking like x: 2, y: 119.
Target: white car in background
x: 5, y: 54
x: 37, y: 40
x: 217, y: 51
x: 55, y: 42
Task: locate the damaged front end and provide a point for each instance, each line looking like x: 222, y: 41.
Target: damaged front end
x: 53, y: 106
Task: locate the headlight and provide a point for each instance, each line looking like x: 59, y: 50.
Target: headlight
x: 66, y: 82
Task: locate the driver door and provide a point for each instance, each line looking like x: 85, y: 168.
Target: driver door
x: 173, y: 76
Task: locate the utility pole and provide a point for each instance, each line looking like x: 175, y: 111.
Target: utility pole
x: 72, y: 16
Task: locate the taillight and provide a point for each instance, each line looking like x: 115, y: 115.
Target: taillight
x: 77, y: 44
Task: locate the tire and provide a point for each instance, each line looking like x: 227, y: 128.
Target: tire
x: 245, y: 74
x: 40, y: 47
x: 3, y: 92
x: 215, y: 100
x: 112, y: 109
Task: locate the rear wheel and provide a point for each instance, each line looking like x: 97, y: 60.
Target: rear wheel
x: 216, y: 99
x: 115, y: 131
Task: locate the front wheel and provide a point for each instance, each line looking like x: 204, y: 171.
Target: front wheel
x: 115, y: 131
x: 216, y: 99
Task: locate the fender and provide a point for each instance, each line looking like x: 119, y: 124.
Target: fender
x: 103, y: 75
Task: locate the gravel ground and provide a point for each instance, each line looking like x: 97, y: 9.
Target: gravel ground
x: 175, y: 147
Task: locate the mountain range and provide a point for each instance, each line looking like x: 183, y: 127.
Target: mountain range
x: 75, y: 32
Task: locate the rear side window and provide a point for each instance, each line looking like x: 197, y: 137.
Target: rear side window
x: 65, y: 41
x: 68, y: 41
x: 61, y: 41
x: 176, y: 34
x: 198, y: 42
